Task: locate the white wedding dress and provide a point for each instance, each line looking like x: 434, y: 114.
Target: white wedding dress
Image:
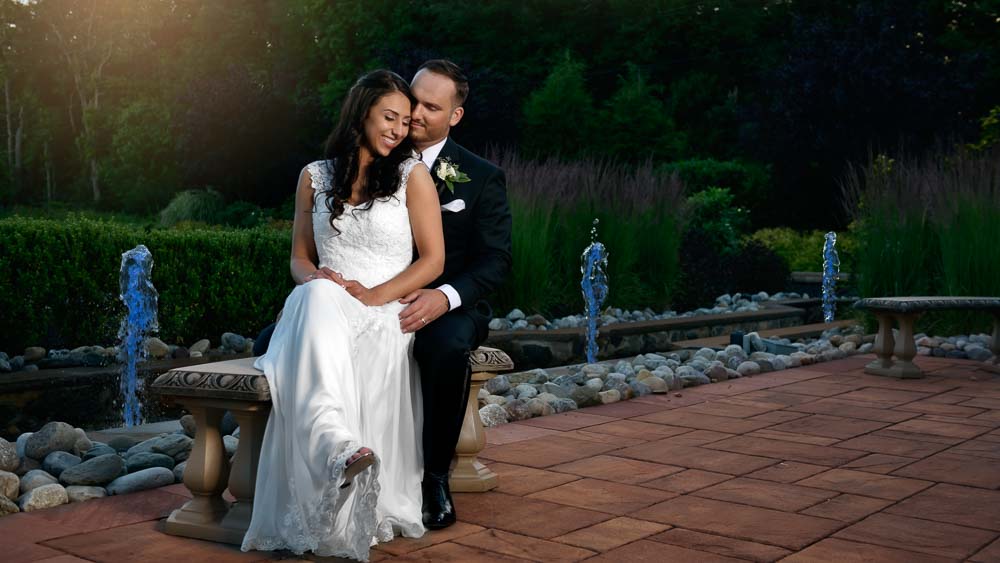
x: 342, y: 377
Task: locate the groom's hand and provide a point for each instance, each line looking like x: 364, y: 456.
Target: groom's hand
x: 423, y: 306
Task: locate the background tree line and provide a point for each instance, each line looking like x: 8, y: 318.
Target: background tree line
x: 121, y: 104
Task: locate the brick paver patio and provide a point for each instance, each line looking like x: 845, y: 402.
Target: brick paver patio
x: 821, y: 463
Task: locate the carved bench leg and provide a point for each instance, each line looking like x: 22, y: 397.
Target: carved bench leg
x: 469, y: 474
x: 906, y: 349
x: 206, y: 476
x: 883, y: 347
x: 243, y: 475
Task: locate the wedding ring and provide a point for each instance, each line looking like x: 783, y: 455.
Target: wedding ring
x: 423, y: 320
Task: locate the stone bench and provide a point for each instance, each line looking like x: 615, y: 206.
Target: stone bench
x: 905, y: 311
x: 208, y: 390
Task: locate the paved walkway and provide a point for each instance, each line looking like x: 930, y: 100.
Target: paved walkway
x: 821, y: 463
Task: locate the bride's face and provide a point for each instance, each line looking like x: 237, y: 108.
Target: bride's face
x: 387, y: 123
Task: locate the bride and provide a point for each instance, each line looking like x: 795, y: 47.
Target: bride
x: 341, y: 467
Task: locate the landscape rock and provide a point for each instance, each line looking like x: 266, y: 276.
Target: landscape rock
x: 564, y: 405
x: 200, y: 346
x: 97, y: 471
x: 77, y: 493
x: 8, y: 506
x: 179, y: 472
x: 122, y: 443
x: 493, y: 415
x: 8, y: 456
x: 977, y: 353
x: 233, y: 341
x: 82, y: 443
x: 525, y: 391
x: 585, y: 396
x: 141, y: 480
x: 27, y: 464
x: 610, y: 396
x: 555, y: 389
x: 640, y: 389
x: 57, y: 462
x: 54, y: 436
x: 34, y: 353
x: 98, y: 450
x: 717, y: 372
x: 10, y: 485
x: 748, y: 368
x: 231, y: 443
x: 45, y: 496
x: 177, y: 446
x: 188, y: 425
x: 538, y: 407
x: 156, y: 348
x: 145, y: 460
x: 21, y: 443
x: 498, y: 385
x: 34, y: 479
x: 656, y: 385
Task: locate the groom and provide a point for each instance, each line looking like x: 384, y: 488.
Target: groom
x: 450, y: 315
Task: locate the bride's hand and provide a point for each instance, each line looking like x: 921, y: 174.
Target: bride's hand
x: 367, y: 296
x: 326, y: 274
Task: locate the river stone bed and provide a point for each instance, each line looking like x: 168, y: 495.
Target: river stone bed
x: 35, y: 357
x: 724, y: 304
x: 59, y: 464
x: 539, y: 392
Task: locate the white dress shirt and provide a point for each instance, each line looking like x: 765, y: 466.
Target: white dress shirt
x: 429, y: 155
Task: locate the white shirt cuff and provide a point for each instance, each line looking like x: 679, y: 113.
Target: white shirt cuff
x: 454, y: 299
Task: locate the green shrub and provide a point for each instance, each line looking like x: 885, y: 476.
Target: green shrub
x: 60, y: 280
x: 749, y: 182
x: 803, y: 251
x: 203, y: 206
x: 714, y: 212
x: 548, y: 129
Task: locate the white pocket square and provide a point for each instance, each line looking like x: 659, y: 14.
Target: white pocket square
x: 454, y: 206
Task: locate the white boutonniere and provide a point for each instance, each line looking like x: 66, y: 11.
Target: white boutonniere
x: 448, y: 172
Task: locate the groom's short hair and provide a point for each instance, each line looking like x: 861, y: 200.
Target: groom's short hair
x: 447, y: 68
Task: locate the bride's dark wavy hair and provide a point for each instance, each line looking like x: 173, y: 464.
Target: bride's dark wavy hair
x: 382, y: 177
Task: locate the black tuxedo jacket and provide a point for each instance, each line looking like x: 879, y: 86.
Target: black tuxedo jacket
x: 477, y: 239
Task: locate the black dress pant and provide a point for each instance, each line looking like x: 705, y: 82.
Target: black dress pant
x: 442, y: 352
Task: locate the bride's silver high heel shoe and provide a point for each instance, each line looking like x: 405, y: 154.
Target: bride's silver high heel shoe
x: 360, y: 463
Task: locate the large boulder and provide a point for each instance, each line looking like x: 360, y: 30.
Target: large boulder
x: 53, y: 437
x: 141, y: 480
x: 46, y: 496
x: 97, y: 471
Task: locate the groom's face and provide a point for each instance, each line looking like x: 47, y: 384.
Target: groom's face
x: 437, y: 109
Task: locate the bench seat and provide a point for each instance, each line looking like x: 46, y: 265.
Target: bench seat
x: 905, y: 311
x: 208, y: 390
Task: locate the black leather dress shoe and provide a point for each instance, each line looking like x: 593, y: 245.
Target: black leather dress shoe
x: 439, y: 511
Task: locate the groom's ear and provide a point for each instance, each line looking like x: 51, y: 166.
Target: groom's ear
x: 456, y: 116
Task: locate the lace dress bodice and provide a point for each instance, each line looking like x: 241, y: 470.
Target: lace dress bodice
x: 373, y: 245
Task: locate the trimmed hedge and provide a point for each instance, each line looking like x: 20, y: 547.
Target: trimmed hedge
x: 59, y: 280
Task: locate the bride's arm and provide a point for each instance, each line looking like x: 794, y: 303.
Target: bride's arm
x: 304, y: 259
x: 425, y: 221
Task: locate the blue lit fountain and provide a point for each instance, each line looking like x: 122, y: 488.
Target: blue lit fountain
x: 140, y: 297
x: 593, y: 266
x: 831, y: 269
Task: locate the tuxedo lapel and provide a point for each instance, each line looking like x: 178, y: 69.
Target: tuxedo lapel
x: 449, y: 153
